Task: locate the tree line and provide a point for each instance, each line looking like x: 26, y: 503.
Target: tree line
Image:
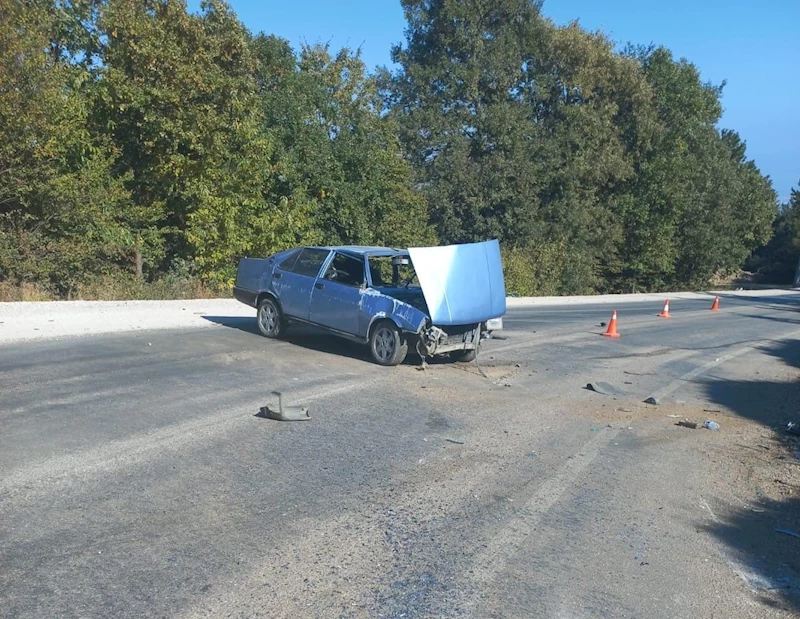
x: 139, y: 141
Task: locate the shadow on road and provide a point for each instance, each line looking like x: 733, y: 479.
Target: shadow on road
x: 306, y: 337
x: 243, y: 323
x: 761, y: 537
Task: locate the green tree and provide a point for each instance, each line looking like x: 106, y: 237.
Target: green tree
x: 777, y: 261
x: 179, y: 98
x: 334, y: 147
x: 54, y: 174
x: 696, y: 206
x: 519, y: 130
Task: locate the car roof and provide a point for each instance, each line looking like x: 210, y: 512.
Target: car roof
x: 367, y: 250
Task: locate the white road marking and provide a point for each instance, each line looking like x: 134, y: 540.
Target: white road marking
x: 141, y: 447
x: 681, y: 380
x: 492, y: 561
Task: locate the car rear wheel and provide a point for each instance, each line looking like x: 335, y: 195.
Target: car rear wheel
x: 387, y: 344
x: 270, y: 321
x: 464, y: 355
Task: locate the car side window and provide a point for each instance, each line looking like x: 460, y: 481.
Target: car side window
x: 287, y: 264
x: 346, y: 270
x: 309, y: 261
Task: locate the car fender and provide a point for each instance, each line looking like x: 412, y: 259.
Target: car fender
x: 379, y: 306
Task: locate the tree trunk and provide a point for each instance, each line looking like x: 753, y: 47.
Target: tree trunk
x: 137, y: 256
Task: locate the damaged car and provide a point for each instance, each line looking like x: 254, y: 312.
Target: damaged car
x: 431, y: 300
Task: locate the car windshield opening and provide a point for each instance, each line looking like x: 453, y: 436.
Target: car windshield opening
x: 392, y: 272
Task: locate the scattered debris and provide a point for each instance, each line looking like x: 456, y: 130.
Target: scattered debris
x: 531, y: 454
x: 624, y: 410
x: 604, y: 388
x: 638, y: 373
x: 793, y: 428
x: 788, y: 532
x: 603, y: 324
x: 674, y: 416
x: 711, y: 410
x: 688, y: 424
x: 288, y: 413
x: 711, y: 425
x: 452, y: 440
x: 652, y: 400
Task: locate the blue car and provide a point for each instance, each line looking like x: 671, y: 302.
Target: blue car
x: 433, y: 300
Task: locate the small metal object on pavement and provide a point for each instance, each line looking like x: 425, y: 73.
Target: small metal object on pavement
x: 285, y: 413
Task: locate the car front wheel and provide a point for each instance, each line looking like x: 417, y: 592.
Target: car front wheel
x: 387, y: 344
x: 270, y: 321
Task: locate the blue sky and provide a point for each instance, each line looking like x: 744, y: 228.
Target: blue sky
x: 754, y: 46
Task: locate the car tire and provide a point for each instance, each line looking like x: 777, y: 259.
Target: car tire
x: 386, y: 344
x: 464, y: 356
x: 269, y: 318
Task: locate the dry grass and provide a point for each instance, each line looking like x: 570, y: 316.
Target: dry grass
x: 115, y: 289
x: 23, y: 292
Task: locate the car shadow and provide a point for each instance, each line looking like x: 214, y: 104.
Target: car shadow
x: 764, y: 539
x: 242, y: 323
x: 307, y: 337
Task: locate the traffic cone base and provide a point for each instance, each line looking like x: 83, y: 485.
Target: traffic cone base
x: 612, y: 326
x: 715, y: 304
x: 665, y: 312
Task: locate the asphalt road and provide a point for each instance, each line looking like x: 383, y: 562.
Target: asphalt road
x: 138, y: 481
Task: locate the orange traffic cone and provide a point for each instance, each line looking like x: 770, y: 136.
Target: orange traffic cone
x: 715, y: 304
x: 612, y: 326
x: 665, y: 312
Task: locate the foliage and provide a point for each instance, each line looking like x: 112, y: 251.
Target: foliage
x: 142, y: 146
x: 777, y: 261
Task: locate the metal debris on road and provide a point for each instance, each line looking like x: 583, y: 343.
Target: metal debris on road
x: 687, y: 424
x: 652, y: 400
x: 452, y: 440
x: 788, y: 532
x: 604, y: 388
x: 284, y: 413
x: 711, y: 425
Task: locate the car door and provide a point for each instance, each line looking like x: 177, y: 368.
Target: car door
x: 336, y: 297
x: 293, y: 281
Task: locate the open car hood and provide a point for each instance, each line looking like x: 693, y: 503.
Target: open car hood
x: 462, y: 284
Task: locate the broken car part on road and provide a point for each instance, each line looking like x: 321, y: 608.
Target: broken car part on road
x: 435, y: 300
x: 284, y: 413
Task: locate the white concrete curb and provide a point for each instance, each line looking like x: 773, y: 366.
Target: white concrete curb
x: 618, y: 299
x: 45, y: 320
